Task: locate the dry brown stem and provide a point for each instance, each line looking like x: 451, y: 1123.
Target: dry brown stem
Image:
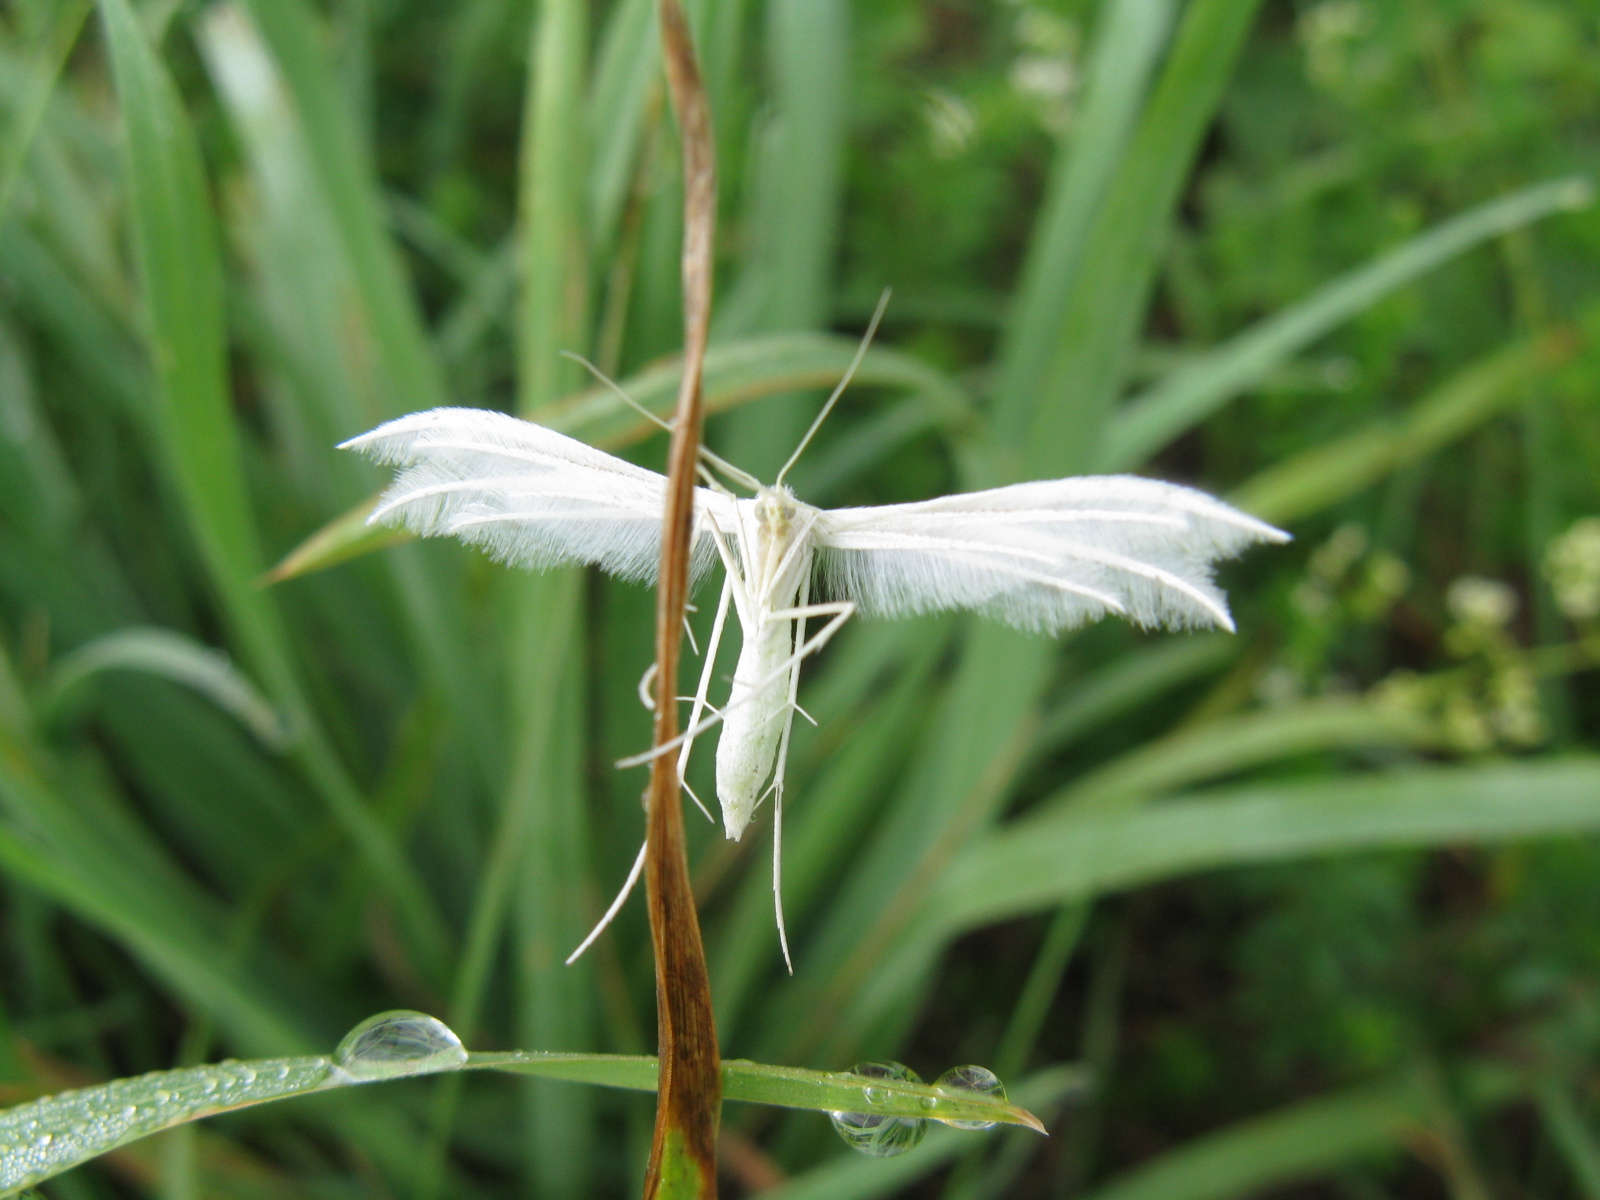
x: 689, y: 1107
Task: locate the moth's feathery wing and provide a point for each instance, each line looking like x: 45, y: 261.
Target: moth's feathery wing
x: 528, y: 495
x: 1042, y: 556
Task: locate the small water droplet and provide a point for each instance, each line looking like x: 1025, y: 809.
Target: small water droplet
x: 877, y: 1134
x: 398, y: 1043
x: 972, y: 1079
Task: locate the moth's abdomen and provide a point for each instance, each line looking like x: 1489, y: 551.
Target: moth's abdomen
x: 753, y: 727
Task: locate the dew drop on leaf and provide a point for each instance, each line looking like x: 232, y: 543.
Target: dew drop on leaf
x: 972, y: 1079
x: 398, y: 1043
x: 878, y: 1134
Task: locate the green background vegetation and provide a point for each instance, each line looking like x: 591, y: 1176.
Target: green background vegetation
x: 1318, y: 903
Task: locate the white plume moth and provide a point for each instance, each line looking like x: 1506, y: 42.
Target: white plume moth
x: 1042, y: 556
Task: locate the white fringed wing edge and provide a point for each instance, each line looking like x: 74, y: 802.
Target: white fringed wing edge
x: 1041, y: 556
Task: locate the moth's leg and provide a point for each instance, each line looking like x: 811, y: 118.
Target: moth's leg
x: 840, y: 611
x: 777, y: 868
x: 705, y: 685
x: 616, y: 906
x: 698, y: 803
x: 799, y: 631
x: 742, y: 599
x: 645, y: 683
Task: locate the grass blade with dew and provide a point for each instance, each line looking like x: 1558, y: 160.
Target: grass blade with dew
x: 854, y: 1177
x: 42, y: 1138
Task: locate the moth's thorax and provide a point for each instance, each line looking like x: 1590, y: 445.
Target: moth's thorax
x: 775, y: 563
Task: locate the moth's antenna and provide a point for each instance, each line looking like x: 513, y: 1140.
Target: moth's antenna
x: 743, y: 478
x: 850, y: 372
x: 644, y: 412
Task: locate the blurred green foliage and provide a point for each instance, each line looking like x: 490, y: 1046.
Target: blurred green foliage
x: 1317, y: 902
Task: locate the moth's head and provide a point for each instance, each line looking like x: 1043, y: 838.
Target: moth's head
x: 776, y: 508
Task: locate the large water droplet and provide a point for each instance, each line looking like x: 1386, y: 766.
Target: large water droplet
x: 972, y: 1079
x: 878, y: 1134
x: 393, y: 1044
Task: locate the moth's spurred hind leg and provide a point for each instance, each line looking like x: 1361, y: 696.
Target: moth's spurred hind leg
x: 616, y: 906
x: 840, y: 611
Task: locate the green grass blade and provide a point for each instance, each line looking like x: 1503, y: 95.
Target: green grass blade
x: 1199, y: 389
x: 1063, y: 431
x: 1321, y: 476
x: 475, y: 32
x: 178, y: 256
x: 1032, y: 1009
x: 808, y: 54
x: 554, y: 270
x: 410, y: 374
x: 45, y: 1137
x: 1044, y: 861
x: 747, y: 369
x: 100, y: 345
x: 66, y: 859
x: 546, y: 800
x: 798, y: 186
x: 28, y: 108
x: 340, y: 336
x: 305, y: 288
x: 627, y: 70
x: 344, y: 538
x: 1571, y: 1134
x: 172, y: 656
x: 1222, y: 747
x: 1284, y: 1147
x: 1130, y: 681
x: 544, y: 790
x: 1127, y: 45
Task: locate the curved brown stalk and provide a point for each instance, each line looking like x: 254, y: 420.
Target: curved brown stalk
x: 683, y: 1154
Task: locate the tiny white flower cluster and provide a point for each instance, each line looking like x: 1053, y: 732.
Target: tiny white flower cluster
x: 1572, y: 565
x: 1045, y: 71
x: 1485, y: 603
